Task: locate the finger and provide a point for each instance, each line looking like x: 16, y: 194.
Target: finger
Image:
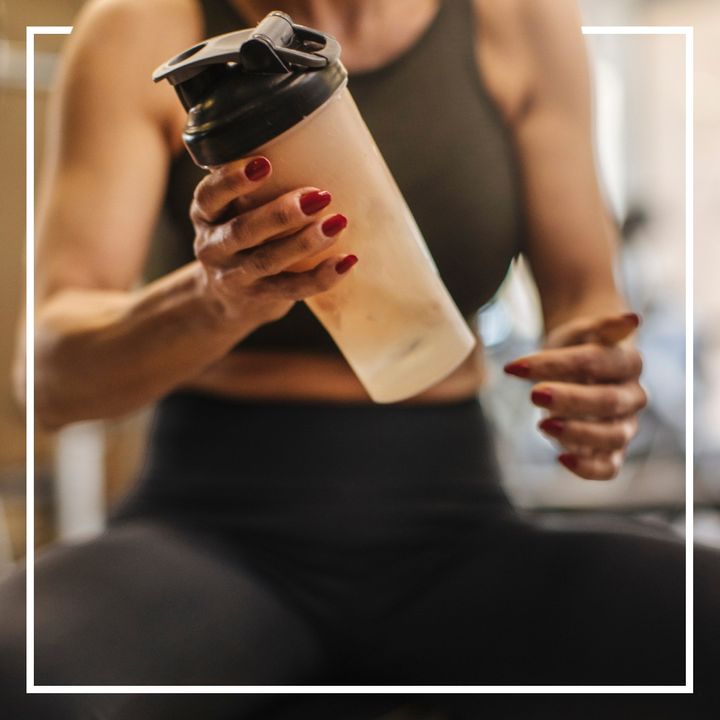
x: 607, y: 436
x: 275, y: 256
x: 220, y: 187
x: 590, y: 401
x: 298, y: 286
x: 602, y: 466
x: 580, y: 363
x: 281, y: 217
x: 607, y: 330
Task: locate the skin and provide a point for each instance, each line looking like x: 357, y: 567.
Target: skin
x: 105, y: 347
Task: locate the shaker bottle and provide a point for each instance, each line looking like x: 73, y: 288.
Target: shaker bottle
x: 280, y: 90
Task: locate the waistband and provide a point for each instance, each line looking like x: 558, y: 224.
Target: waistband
x: 294, y: 461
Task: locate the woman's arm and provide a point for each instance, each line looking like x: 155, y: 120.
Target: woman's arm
x: 571, y: 240
x: 102, y: 347
x: 587, y: 377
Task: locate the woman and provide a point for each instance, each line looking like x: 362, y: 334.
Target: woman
x: 286, y: 530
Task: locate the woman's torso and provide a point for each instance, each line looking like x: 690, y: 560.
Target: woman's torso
x: 450, y: 150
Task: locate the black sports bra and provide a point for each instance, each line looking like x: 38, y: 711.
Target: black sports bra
x: 450, y: 152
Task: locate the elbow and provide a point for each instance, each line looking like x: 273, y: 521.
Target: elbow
x: 45, y: 403
x: 47, y: 410
x: 50, y: 411
x: 52, y: 386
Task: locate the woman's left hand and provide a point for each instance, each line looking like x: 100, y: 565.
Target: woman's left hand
x: 587, y: 377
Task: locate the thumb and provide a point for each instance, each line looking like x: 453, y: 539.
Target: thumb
x: 607, y: 330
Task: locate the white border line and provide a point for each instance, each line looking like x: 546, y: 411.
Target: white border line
x: 29, y: 354
x: 30, y: 32
x: 689, y: 348
x: 32, y: 688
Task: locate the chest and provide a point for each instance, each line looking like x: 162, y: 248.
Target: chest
x: 449, y: 147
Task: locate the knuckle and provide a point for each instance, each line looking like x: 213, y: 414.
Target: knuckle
x: 221, y: 283
x: 633, y: 426
x: 282, y: 214
x: 619, y: 437
x: 201, y: 196
x: 616, y: 462
x: 628, y: 432
x: 605, y: 468
x: 588, y: 362
x: 235, y: 235
x: 636, y: 363
x: 230, y: 176
x: 262, y: 263
x: 290, y: 289
x: 610, y: 472
x: 203, y: 250
x: 304, y: 243
x: 196, y: 216
x: 234, y: 181
x: 613, y: 402
x: 323, y: 283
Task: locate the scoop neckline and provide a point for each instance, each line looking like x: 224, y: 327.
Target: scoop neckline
x: 388, y: 65
x: 413, y: 48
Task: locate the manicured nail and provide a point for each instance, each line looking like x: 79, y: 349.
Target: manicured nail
x: 552, y: 426
x: 345, y: 264
x: 333, y: 225
x: 520, y: 368
x: 633, y: 318
x: 569, y: 460
x: 257, y: 169
x: 315, y: 201
x: 543, y: 398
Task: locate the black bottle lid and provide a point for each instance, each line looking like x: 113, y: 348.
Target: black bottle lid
x: 244, y: 88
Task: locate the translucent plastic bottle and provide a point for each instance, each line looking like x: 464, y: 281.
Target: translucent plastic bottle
x: 280, y: 90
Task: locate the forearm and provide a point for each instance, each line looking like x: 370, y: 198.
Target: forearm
x: 103, y: 353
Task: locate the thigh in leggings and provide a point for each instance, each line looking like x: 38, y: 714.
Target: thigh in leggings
x: 141, y: 605
x: 539, y: 605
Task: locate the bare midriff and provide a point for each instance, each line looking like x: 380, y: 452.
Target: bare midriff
x: 311, y: 377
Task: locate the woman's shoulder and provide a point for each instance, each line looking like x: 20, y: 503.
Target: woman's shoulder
x: 528, y: 21
x: 164, y: 22
x: 523, y: 45
x: 502, y: 53
x: 127, y: 39
x: 116, y: 44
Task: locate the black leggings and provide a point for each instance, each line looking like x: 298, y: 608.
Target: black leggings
x: 295, y: 544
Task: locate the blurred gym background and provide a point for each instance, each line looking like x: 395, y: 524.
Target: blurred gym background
x: 640, y: 124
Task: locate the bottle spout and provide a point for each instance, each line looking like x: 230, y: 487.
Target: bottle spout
x: 275, y: 45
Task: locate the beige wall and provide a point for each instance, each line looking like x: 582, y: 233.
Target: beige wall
x: 14, y: 16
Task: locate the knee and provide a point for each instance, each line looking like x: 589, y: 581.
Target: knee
x: 16, y: 702
x: 12, y: 635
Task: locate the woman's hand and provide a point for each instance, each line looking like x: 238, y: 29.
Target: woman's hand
x: 246, y: 248
x: 587, y: 377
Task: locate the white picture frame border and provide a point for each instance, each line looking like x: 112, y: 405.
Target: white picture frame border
x: 33, y: 31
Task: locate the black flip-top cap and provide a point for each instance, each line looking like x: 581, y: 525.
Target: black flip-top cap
x: 245, y: 88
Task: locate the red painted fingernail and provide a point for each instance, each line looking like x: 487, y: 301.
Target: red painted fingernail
x: 315, y: 201
x: 257, y: 169
x: 521, y: 368
x: 569, y: 460
x: 333, y: 225
x: 543, y: 398
x: 633, y: 318
x: 552, y: 426
x: 345, y: 264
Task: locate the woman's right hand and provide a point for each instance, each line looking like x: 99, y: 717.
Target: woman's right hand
x: 246, y: 248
